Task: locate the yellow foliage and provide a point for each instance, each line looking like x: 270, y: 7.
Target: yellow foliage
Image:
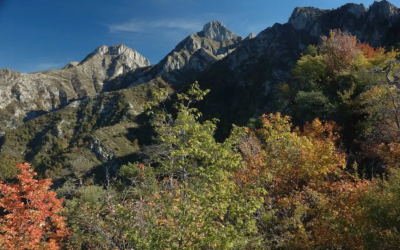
x: 300, y: 157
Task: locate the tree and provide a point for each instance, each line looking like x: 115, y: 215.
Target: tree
x: 340, y: 50
x: 199, y: 204
x: 313, y: 104
x: 382, y: 213
x: 309, y: 72
x: 30, y: 218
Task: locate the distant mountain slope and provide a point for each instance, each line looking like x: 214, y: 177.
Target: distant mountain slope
x: 94, y: 132
x: 191, y: 56
x: 25, y: 96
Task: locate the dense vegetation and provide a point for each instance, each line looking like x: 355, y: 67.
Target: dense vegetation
x: 331, y: 183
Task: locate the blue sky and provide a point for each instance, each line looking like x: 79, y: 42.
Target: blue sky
x: 47, y: 34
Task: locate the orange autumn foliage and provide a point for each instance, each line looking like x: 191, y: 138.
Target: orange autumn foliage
x: 368, y: 51
x: 30, y: 218
x: 255, y: 171
x: 306, y: 189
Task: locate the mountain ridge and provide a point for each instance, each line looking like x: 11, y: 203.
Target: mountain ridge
x: 192, y: 55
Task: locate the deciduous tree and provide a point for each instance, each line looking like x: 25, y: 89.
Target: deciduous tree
x: 31, y: 214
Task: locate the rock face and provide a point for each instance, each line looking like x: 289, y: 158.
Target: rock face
x: 114, y: 60
x: 304, y: 18
x: 217, y: 31
x: 251, y: 36
x: 71, y: 65
x: 106, y: 63
x: 371, y: 25
x: 25, y: 96
x: 384, y: 10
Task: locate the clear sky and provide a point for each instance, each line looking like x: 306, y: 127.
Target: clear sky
x: 47, y: 34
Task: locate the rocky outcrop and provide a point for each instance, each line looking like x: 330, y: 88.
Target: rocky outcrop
x: 384, y: 10
x: 106, y: 63
x: 103, y: 153
x: 251, y: 36
x: 112, y: 61
x: 71, y: 65
x: 372, y: 25
x: 217, y: 31
x: 304, y: 17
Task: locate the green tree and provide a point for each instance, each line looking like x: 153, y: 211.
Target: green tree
x: 382, y: 213
x: 313, y: 104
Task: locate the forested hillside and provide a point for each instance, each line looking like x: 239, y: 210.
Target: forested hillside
x: 309, y: 160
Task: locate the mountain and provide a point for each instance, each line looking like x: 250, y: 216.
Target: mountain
x: 25, y: 96
x: 94, y: 116
x: 191, y: 56
x: 101, y: 127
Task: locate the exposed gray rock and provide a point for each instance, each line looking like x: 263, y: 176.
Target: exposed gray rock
x: 106, y: 63
x: 384, y: 10
x: 217, y: 31
x: 304, y: 17
x: 103, y: 154
x: 251, y: 36
x: 369, y: 25
x: 71, y: 65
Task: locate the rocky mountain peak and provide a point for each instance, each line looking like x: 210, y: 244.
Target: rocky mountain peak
x: 303, y: 17
x: 113, y: 50
x: 384, y: 10
x: 251, y: 36
x: 120, y: 50
x: 217, y: 31
x: 113, y: 61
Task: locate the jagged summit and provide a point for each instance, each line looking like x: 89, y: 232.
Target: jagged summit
x: 217, y: 31
x: 114, y: 50
x: 303, y: 17
x: 251, y: 36
x: 384, y: 10
x: 119, y: 50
